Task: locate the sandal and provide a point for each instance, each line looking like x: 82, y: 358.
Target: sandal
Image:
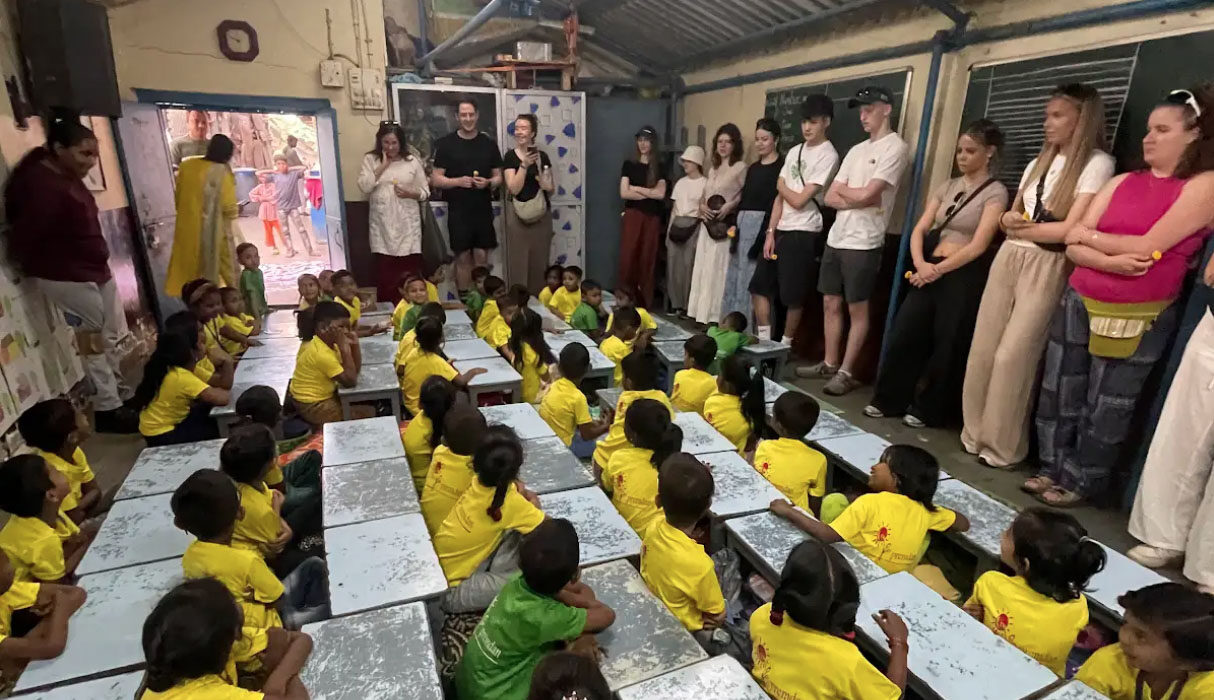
x: 1058, y: 497
x: 1037, y: 485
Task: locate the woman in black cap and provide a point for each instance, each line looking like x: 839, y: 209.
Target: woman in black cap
x: 642, y: 188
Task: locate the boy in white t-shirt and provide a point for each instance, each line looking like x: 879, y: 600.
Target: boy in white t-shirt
x: 788, y: 271
x: 864, y: 193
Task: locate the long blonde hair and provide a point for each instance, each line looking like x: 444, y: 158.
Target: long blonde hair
x: 1088, y: 137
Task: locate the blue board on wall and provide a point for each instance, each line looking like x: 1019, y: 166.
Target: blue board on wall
x: 784, y: 105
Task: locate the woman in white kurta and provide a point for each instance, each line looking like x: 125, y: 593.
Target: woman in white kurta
x: 396, y: 187
x: 712, y: 257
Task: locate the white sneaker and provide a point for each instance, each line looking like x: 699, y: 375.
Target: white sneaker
x: 1155, y: 557
x: 873, y: 412
x: 911, y: 421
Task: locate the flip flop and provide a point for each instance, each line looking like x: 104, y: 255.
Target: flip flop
x: 1037, y: 485
x: 1057, y: 497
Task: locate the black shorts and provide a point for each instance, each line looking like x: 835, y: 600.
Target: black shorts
x: 794, y: 272
x: 851, y: 274
x: 470, y: 231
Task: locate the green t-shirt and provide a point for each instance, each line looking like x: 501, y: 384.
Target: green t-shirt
x: 518, y: 629
x: 585, y: 318
x: 473, y: 302
x: 409, y: 320
x: 728, y: 343
x: 253, y: 289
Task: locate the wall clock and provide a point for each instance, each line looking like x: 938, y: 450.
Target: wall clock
x: 237, y: 40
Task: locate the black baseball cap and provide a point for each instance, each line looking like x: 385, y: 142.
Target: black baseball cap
x: 817, y: 105
x: 647, y: 132
x: 870, y: 94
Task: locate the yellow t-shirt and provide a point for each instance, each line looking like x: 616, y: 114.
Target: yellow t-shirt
x: 172, y: 402
x: 77, y: 472
x: 210, y: 334
x: 498, y: 333
x: 647, y: 322
x: 633, y: 482
x: 431, y: 291
x: 19, y: 596
x: 565, y: 302
x: 564, y: 408
x: 240, y: 325
x: 204, y: 369
x: 1108, y: 672
x: 446, y: 480
x: 615, y: 436
x: 317, y: 366
x: 406, y: 348
x: 417, y: 448
x: 791, y: 661
x: 35, y: 548
x: 354, y: 308
x: 488, y: 312
x: 616, y: 350
x: 244, y: 573
x: 889, y: 528
x: 679, y: 572
x: 796, y: 469
x: 691, y: 389
x: 724, y: 412
x: 546, y: 295
x: 420, y: 367
x: 1036, y: 624
x: 533, y: 374
x: 210, y: 687
x: 259, y: 525
x: 468, y: 535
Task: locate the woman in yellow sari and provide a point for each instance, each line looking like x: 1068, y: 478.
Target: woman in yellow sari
x: 204, y: 241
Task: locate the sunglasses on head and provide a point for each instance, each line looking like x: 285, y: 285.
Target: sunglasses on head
x: 952, y: 207
x: 1182, y: 98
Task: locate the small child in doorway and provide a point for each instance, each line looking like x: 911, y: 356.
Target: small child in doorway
x: 238, y: 325
x: 796, y: 469
x: 622, y: 339
x: 565, y: 300
x: 737, y: 409
x: 56, y: 431
x: 309, y: 291
x: 730, y: 336
x: 693, y: 384
x: 40, y: 541
x: 552, y: 282
x: 252, y: 281
x: 589, y: 316
x: 565, y: 408
x: 265, y: 195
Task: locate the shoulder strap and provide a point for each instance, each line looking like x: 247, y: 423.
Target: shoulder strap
x: 1174, y: 692
x: 961, y: 206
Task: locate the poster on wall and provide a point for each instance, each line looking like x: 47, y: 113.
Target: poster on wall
x: 562, y: 118
x: 429, y: 112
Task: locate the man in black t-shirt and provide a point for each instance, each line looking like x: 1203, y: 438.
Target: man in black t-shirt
x: 468, y: 166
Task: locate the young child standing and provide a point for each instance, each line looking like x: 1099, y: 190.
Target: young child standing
x: 812, y: 616
x: 425, y: 432
x: 565, y: 408
x: 1040, y: 608
x: 796, y: 469
x: 588, y: 316
x: 237, y: 325
x: 631, y: 477
x: 329, y: 356
x: 623, y: 337
x: 265, y: 195
x: 55, y: 429
x: 252, y: 281
x: 450, y: 470
x: 40, y: 541
x: 566, y: 299
x: 495, y: 290
x: 552, y: 282
x: 693, y: 384
x: 737, y: 410
x: 537, y: 611
x: 428, y: 360
x: 309, y: 291
x: 528, y: 351
x: 174, y: 404
x: 640, y: 382
x: 48, y: 638
x: 730, y: 335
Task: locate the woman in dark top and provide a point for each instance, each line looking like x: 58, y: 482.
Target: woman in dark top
x: 758, y: 195
x: 642, y: 188
x: 527, y: 174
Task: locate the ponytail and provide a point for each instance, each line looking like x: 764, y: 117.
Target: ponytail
x: 497, y: 462
x: 671, y: 443
x: 746, y: 382
x: 436, y: 397
x: 175, y: 348
x: 1054, y: 552
x: 647, y: 425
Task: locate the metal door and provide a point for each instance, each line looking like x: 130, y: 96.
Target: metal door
x: 330, y: 178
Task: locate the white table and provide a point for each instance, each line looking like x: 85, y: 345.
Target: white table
x: 600, y: 366
x: 121, y: 687
x: 474, y: 349
x: 382, y: 654
x: 272, y: 372
x: 739, y: 489
x: 830, y: 425
x: 764, y: 351
x: 602, y: 532
x: 668, y: 331
x: 550, y: 321
x: 377, y: 350
x: 566, y: 337
x: 367, y: 440
x: 952, y: 655
x: 375, y: 383
x: 670, y: 353
x: 988, y: 518
x: 105, y: 635
x: 646, y: 640
x: 163, y: 469
x: 1074, y: 690
x: 699, y: 437
x: 522, y: 417
x: 381, y: 307
x: 457, y: 316
x: 458, y: 331
x: 718, y: 677
x: 380, y: 563
x: 273, y: 348
x: 857, y: 454
x: 766, y: 540
x: 355, y: 493
x: 1120, y: 575
x: 609, y: 398
x: 136, y: 531
x: 500, y: 377
x: 549, y: 466
x: 772, y: 390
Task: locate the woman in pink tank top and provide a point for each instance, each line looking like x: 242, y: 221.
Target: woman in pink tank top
x: 1119, y: 313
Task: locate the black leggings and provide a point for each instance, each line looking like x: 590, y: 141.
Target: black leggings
x: 195, y: 427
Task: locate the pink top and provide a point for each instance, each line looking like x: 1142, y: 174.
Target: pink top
x: 266, y: 194
x: 1139, y: 201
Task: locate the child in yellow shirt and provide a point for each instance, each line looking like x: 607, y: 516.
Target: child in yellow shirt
x: 477, y: 543
x: 812, y: 616
x: 1166, y: 648
x: 188, y: 643
x: 693, y: 384
x: 565, y: 300
x: 412, y: 296
x: 174, y: 404
x: 237, y: 325
x: 345, y: 292
x: 626, y: 295
x: 1040, y: 608
x: 498, y: 333
x: 47, y: 639
x: 737, y: 409
x: 528, y: 352
x: 796, y: 469
x: 203, y: 299
x: 427, y: 361
x: 565, y: 408
x: 297, y: 479
x: 631, y: 477
x: 43, y: 544
x: 888, y: 524
x: 309, y: 291
x: 640, y: 382
x: 552, y: 282
x: 55, y: 430
x: 215, y: 367
x: 495, y: 289
x: 425, y: 432
x: 450, y: 470
x: 329, y: 356
x: 408, y: 341
x: 621, y: 339
x: 247, y: 456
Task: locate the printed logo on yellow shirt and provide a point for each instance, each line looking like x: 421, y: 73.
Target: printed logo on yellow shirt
x: 764, y: 467
x: 619, y: 480
x: 438, y: 467
x: 883, y: 543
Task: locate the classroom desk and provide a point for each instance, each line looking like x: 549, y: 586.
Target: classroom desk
x: 121, y: 687
x: 1120, y: 575
x: 600, y: 366
x: 272, y: 372
x: 603, y: 533
x: 670, y: 353
x: 105, y: 635
x: 646, y: 640
x: 356, y: 493
x: 549, y: 466
x: 549, y: 320
x: 522, y: 417
x: 377, y: 350
x: 667, y: 331
x: 459, y: 331
x: 366, y: 440
x: 718, y: 677
x: 382, y: 307
x: 609, y: 398
x: 475, y: 349
x: 375, y: 383
x: 700, y: 438
x: 772, y: 390
x: 766, y: 540
x: 857, y: 454
x: 457, y: 316
x: 273, y: 349
x: 829, y: 426
x: 762, y: 352
x: 988, y: 517
x: 162, y: 469
x: 952, y: 655
x: 569, y: 336
x: 376, y: 318
x: 384, y: 653
x: 739, y: 488
x: 1073, y: 690
x: 381, y: 563
x: 136, y: 531
x: 501, y: 377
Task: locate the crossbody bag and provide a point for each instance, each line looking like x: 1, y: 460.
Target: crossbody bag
x: 932, y: 238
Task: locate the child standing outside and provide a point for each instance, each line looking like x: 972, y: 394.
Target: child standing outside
x: 49, y: 636
x: 425, y: 432
x: 796, y: 469
x: 693, y: 384
x: 552, y: 282
x: 737, y: 410
x: 329, y: 356
x: 566, y: 299
x: 565, y: 408
x: 252, y: 281
x: 55, y: 429
x: 623, y: 337
x: 265, y: 195
x: 631, y: 477
x: 40, y: 541
x: 588, y: 316
x: 640, y: 382
x: 536, y: 611
x: 450, y: 470
x: 730, y: 336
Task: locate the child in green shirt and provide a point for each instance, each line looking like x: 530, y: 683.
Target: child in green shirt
x: 474, y: 299
x: 730, y: 335
x: 252, y: 282
x: 589, y: 315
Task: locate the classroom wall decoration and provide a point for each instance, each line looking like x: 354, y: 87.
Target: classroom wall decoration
x: 567, y: 235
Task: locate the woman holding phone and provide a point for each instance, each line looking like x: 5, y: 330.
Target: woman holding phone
x: 529, y: 183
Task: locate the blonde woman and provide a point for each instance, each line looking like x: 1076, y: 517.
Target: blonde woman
x: 1029, y: 275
